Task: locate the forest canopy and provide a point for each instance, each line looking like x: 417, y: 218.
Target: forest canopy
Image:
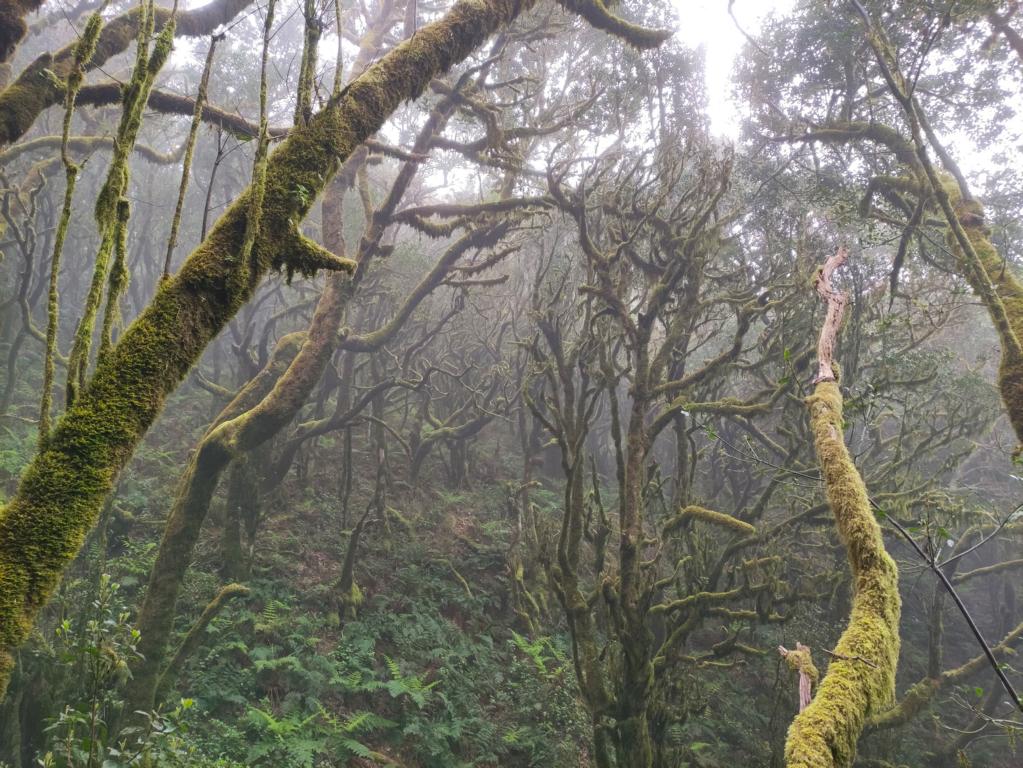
x: 419, y: 384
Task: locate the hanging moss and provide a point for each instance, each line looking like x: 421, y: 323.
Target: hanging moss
x: 861, y: 679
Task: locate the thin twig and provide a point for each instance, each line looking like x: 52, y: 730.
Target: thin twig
x: 959, y: 604
x: 843, y: 657
x: 984, y: 540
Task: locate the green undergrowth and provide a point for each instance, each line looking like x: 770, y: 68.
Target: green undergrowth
x: 430, y: 674
x: 422, y: 672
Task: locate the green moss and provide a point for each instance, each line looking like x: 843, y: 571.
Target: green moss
x: 23, y: 100
x: 1010, y: 291
x: 914, y: 701
x: 920, y: 695
x: 352, y: 598
x: 719, y: 519
x: 800, y: 660
x: 83, y: 52
x: 118, y: 280
x: 111, y: 207
x: 861, y: 679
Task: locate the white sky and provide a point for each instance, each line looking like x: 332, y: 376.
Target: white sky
x: 706, y: 23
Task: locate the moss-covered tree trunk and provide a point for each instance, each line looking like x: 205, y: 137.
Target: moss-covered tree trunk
x: 637, y: 674
x: 188, y: 512
x: 1010, y: 291
x: 241, y: 509
x: 861, y: 678
x: 64, y: 486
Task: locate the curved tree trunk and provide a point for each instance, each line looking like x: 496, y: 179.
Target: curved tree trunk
x: 156, y: 616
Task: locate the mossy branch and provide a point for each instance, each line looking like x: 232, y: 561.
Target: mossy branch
x: 186, y: 168
x: 12, y: 25
x: 826, y: 732
x: 719, y: 519
x: 1004, y: 300
x: 32, y: 92
x: 484, y: 236
x: 83, y: 53
x: 190, y: 643
x: 187, y: 514
x: 600, y: 17
x: 112, y: 208
x: 921, y: 693
x: 85, y: 145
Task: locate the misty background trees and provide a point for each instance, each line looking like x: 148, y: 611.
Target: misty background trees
x: 426, y: 384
